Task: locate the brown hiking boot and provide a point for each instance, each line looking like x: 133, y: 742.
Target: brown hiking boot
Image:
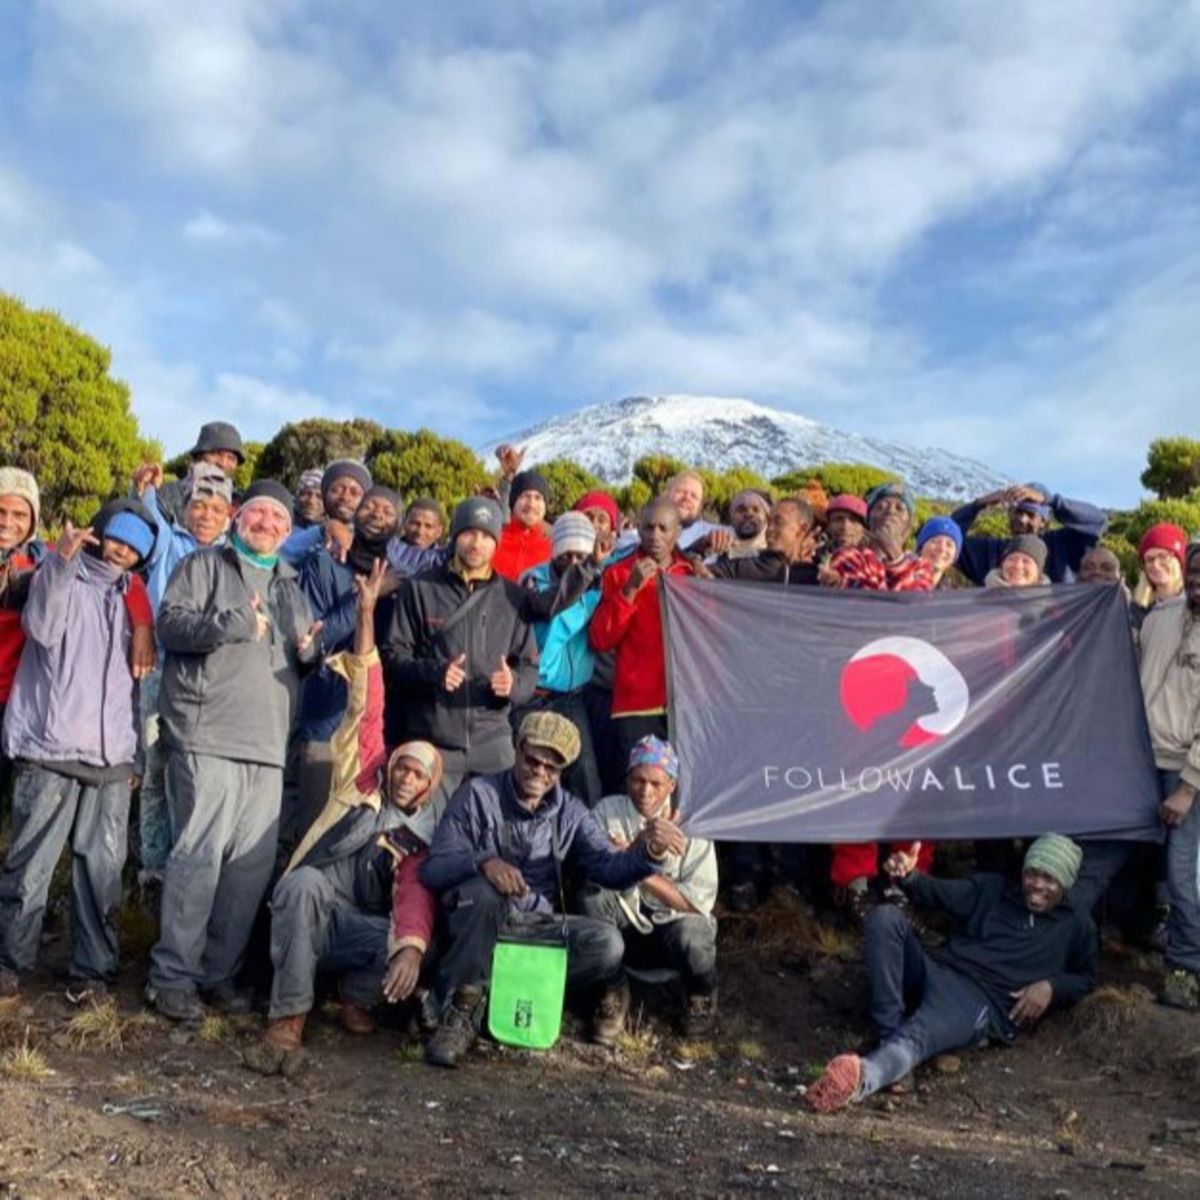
x: 356, y: 1020
x: 608, y: 1021
x: 700, y: 1016
x: 280, y: 1051
x: 457, y: 1030
x: 286, y: 1032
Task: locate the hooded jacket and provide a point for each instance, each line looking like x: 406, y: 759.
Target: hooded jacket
x: 74, y: 698
x: 474, y: 830
x: 1170, y: 672
x: 224, y: 691
x: 171, y: 544
x: 438, y: 616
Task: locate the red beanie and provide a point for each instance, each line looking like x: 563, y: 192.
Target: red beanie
x: 1164, y: 537
x: 600, y: 500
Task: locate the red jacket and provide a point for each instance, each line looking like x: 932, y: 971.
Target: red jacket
x: 634, y: 631
x: 520, y: 548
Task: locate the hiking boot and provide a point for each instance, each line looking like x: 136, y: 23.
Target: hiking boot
x: 837, y: 1085
x: 355, y: 1020
x: 456, y: 1032
x: 230, y: 1000
x: 743, y: 898
x: 10, y: 983
x: 281, y: 1046
x: 176, y: 1004
x: 1181, y: 989
x: 87, y: 991
x: 860, y: 901
x: 608, y: 1021
x: 286, y: 1032
x: 700, y: 1015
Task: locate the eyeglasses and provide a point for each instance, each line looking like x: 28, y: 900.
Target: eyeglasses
x: 544, y: 765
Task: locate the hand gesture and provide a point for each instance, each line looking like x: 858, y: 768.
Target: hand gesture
x: 663, y: 837
x: 719, y: 541
x: 644, y: 569
x: 501, y: 680
x: 455, y: 674
x: 72, y: 540
x: 338, y: 537
x: 902, y: 863
x: 999, y: 496
x: 504, y: 877
x: 148, y: 475
x: 828, y: 577
x: 368, y: 588
x: 305, y: 640
x: 510, y: 459
x: 1031, y: 1003
x: 143, y: 654
x: 262, y: 622
x: 1174, y: 809
x: 1023, y: 493
x: 402, y: 974
x: 604, y: 545
x: 700, y: 567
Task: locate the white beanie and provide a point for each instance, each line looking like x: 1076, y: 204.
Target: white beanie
x: 572, y: 533
x: 15, y: 482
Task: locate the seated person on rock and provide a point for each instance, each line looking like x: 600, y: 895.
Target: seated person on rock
x: 666, y: 920
x: 493, y: 865
x: 351, y: 902
x: 1018, y: 950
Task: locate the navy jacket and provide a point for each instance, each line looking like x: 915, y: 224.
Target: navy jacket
x: 471, y: 831
x: 1082, y: 525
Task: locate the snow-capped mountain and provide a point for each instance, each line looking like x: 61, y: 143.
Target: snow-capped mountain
x: 707, y: 431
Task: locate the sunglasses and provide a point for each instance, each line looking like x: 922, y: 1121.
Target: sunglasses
x: 544, y: 765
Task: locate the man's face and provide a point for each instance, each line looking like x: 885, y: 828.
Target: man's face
x: 342, y: 498
x: 786, y: 531
x: 376, y: 517
x: 940, y: 551
x: 422, y: 527
x: 16, y: 522
x: 1019, y: 570
x: 206, y: 518
x: 1042, y: 892
x: 118, y: 554
x: 1191, y: 582
x: 263, y: 526
x: 225, y: 459
x: 890, y: 514
x: 310, y: 504
x: 1100, y: 566
x: 748, y: 517
x: 529, y: 508
x: 649, y: 789
x: 601, y: 522
x: 687, y: 494
x: 845, y: 530
x: 535, y: 772
x: 658, y: 531
x: 474, y: 548
x: 1021, y: 520
x: 569, y: 558
x: 408, y: 785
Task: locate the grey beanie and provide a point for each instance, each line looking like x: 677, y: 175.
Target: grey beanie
x: 340, y: 468
x: 477, y: 512
x: 1030, y: 544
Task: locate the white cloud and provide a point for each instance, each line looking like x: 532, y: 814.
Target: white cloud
x: 206, y: 228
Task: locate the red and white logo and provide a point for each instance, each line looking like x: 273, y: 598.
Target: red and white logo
x: 906, y: 685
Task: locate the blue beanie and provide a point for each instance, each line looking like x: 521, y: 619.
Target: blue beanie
x: 941, y: 527
x: 1041, y: 510
x: 133, y: 531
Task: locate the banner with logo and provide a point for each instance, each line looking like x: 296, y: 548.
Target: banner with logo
x: 807, y: 714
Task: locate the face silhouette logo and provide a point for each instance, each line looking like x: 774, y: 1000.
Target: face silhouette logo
x: 904, y: 690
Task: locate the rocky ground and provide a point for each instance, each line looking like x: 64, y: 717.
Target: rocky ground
x: 115, y: 1101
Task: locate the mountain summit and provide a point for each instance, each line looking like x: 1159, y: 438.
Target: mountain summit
x: 709, y: 431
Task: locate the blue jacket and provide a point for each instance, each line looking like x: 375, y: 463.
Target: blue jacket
x: 567, y: 661
x: 74, y: 698
x: 470, y: 832
x: 171, y: 543
x: 301, y: 543
x: 1082, y: 525
x: 406, y: 559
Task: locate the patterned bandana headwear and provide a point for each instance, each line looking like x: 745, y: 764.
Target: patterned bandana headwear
x: 654, y: 752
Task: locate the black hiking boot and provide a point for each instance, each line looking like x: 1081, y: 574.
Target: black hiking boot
x: 229, y: 1000
x: 700, y: 1016
x: 176, y: 1004
x: 457, y: 1031
x: 608, y: 1021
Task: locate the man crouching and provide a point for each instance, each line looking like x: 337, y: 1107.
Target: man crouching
x: 358, y: 863
x: 1017, y: 951
x: 500, y: 850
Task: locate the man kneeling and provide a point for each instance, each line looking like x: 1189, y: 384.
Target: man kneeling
x: 1018, y: 950
x: 500, y: 850
x: 666, y: 920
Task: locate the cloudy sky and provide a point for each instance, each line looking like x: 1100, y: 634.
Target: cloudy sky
x: 970, y: 225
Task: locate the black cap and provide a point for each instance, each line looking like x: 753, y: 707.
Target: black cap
x: 219, y: 435
x: 272, y: 489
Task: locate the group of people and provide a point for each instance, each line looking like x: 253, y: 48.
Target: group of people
x: 366, y: 747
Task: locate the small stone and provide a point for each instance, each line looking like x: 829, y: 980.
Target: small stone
x: 947, y: 1064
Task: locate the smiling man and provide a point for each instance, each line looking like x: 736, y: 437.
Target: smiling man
x: 1018, y: 950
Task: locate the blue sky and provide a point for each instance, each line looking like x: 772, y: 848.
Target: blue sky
x: 967, y: 225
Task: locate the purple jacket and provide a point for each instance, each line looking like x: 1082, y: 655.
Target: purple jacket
x: 74, y: 697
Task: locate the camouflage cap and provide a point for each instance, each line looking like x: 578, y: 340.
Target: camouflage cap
x: 549, y: 731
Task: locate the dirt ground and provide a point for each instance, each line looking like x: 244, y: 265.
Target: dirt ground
x: 1103, y: 1102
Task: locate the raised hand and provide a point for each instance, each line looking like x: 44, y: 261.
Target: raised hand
x: 510, y: 459
x: 501, y: 679
x: 368, y: 588
x: 148, y: 475
x: 644, y: 569
x: 456, y: 673
x: 72, y: 540
x: 902, y: 863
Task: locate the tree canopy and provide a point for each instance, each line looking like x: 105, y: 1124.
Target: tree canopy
x: 424, y: 464
x: 1172, y: 467
x: 314, y: 442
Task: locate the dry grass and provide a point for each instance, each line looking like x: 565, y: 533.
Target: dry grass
x: 12, y: 1021
x: 783, y: 924
x: 25, y: 1062
x: 697, y: 1052
x: 215, y: 1029
x: 639, y: 1042
x: 97, y: 1027
x: 1110, y: 1012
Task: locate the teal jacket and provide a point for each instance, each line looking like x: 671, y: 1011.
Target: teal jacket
x: 565, y: 605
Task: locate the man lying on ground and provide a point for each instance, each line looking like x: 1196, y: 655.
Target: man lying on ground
x: 1019, y: 949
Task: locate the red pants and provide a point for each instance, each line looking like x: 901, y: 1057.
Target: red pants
x: 854, y: 860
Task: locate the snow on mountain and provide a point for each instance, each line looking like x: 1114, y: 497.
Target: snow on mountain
x: 708, y: 431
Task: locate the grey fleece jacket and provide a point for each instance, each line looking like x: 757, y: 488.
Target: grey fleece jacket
x: 1170, y: 670
x: 224, y: 692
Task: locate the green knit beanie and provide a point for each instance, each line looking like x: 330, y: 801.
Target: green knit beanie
x: 1056, y: 856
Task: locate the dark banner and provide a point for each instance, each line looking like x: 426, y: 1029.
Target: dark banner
x: 808, y: 715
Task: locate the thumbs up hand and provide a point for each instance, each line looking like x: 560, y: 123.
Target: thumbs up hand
x: 501, y: 679
x: 455, y: 673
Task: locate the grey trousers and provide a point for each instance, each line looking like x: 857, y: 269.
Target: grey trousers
x: 47, y: 809
x: 1183, y: 884
x: 687, y: 944
x: 226, y: 817
x: 316, y: 928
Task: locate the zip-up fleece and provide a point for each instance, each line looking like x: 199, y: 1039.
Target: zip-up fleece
x: 1170, y: 669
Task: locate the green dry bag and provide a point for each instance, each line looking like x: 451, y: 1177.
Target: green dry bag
x: 529, y: 982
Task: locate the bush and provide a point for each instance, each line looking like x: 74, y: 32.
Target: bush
x: 1173, y: 469
x: 424, y: 464
x: 313, y: 442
